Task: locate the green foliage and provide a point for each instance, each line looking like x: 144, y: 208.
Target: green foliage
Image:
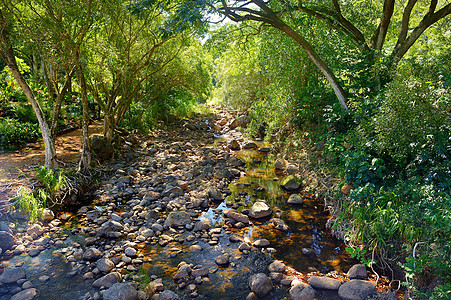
x: 14, y: 134
x: 361, y: 168
x: 53, y: 181
x: 360, y: 255
x: 32, y: 203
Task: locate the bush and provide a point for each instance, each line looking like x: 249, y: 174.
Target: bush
x: 14, y: 133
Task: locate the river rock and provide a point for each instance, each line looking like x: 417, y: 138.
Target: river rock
x: 244, y: 247
x: 292, y: 169
x: 357, y: 271
x: 260, y: 209
x: 347, y: 188
x: 12, y: 275
x: 222, y: 260
x: 243, y: 120
x: 356, y: 290
x: 323, y: 282
x: 250, y: 145
x: 260, y: 284
x: 261, y: 243
x: 92, y: 254
x: 100, y: 145
x: 239, y: 217
x: 290, y: 183
x: 302, y: 292
x: 277, y: 266
x: 120, y: 291
x: 195, y: 248
x: 295, y: 199
x: 47, y: 215
x: 215, y: 194
x: 108, y: 280
x: 151, y: 196
x: 27, y: 294
x: 167, y: 295
x: 35, y: 229
x: 280, y: 164
x: 105, y: 265
x: 279, y: 224
x: 110, y: 229
x: 7, y: 240
x: 177, y: 218
x: 234, y: 145
x: 130, y: 252
x: 200, y: 271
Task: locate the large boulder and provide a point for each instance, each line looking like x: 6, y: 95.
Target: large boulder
x: 100, y: 145
x: 302, y: 292
x: 120, y: 291
x: 356, y: 290
x: 290, y: 183
x: 7, y: 240
x: 357, y: 271
x: 108, y: 280
x: 177, y: 218
x: 260, y: 284
x: 325, y: 283
x: 12, y: 275
x: 215, y: 194
x: 27, y: 294
x: 260, y: 209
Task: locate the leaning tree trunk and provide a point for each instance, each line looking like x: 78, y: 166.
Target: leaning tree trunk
x: 319, y: 63
x: 85, y: 159
x: 7, y: 55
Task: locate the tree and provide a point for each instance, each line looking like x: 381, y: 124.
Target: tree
x: 7, y: 54
x: 342, y: 16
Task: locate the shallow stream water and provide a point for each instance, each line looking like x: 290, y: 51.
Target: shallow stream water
x: 306, y: 230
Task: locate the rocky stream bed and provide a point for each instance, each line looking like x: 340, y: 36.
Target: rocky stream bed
x: 191, y: 211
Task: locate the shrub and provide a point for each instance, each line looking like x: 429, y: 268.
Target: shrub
x: 14, y: 133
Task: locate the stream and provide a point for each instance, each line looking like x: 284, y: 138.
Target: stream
x: 307, y: 246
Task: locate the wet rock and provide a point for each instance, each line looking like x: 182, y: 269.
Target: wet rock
x: 167, y: 295
x: 108, y: 280
x: 307, y: 251
x: 92, y: 254
x: 260, y: 284
x: 130, y: 252
x: 157, y: 227
x: 201, y: 271
x: 302, y: 292
x: 276, y: 277
x: 120, y: 291
x: 100, y: 145
x: 280, y: 164
x: 47, y: 215
x: 200, y: 226
x: 357, y: 271
x: 234, y: 215
x: 215, y: 194
x: 234, y: 145
x: 261, y: 243
x: 195, y: 248
x: 177, y: 218
x: 250, y: 145
x: 260, y: 209
x: 252, y: 296
x: 290, y: 183
x: 356, y: 290
x: 279, y: 224
x: 35, y: 229
x: 105, y: 265
x: 44, y: 278
x: 13, y: 275
x: 295, y: 199
x: 244, y: 247
x: 7, y: 240
x: 110, y: 229
x: 27, y: 294
x: 236, y: 162
x: 277, y: 266
x: 222, y: 260
x: 326, y: 283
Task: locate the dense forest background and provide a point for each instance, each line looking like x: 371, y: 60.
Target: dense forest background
x: 362, y: 86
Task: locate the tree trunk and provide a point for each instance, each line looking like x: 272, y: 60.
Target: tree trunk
x: 319, y: 63
x: 85, y: 159
x: 7, y: 55
x: 108, y: 125
x: 58, y: 103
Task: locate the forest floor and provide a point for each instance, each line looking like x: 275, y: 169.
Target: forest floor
x: 18, y: 168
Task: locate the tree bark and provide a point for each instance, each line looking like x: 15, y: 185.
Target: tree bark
x: 85, y: 159
x: 7, y: 55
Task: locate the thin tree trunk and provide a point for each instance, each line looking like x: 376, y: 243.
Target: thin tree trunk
x: 85, y: 159
x: 58, y: 103
x: 7, y: 55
